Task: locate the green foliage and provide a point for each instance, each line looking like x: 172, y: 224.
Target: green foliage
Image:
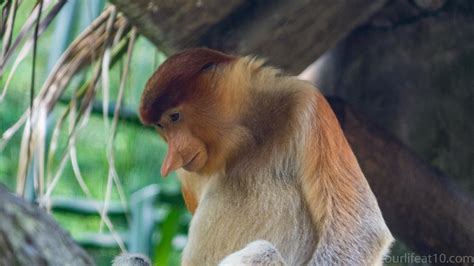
x: 168, y: 229
x: 138, y: 151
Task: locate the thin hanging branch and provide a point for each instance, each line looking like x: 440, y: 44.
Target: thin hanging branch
x: 21, y: 185
x: 29, y: 42
x: 118, y: 53
x: 10, y: 23
x: 79, y: 55
x: 33, y: 72
x: 105, y: 68
x: 110, y: 145
x: 83, y: 112
x: 4, y: 16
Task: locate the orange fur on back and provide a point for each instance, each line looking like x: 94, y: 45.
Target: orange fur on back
x: 338, y: 195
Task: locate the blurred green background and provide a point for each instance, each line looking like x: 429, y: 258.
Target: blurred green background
x: 138, y: 151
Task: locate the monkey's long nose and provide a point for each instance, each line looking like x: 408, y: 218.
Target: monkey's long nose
x: 172, y: 160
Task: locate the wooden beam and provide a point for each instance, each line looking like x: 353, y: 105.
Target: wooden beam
x: 290, y: 34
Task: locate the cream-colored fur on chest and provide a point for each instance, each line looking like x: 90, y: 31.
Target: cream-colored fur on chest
x: 229, y: 218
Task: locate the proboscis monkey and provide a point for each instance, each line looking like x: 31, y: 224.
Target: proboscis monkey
x: 261, y: 156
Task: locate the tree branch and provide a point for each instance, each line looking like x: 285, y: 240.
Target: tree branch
x: 421, y: 205
x: 300, y: 30
x: 28, y: 236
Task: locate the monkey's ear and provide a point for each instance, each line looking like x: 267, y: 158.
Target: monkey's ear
x: 199, y: 59
x: 208, y: 66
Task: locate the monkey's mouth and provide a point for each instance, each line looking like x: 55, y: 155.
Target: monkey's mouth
x: 189, y: 166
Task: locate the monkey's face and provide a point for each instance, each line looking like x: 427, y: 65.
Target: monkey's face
x: 180, y: 98
x: 185, y: 149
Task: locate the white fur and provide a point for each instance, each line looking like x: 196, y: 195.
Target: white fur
x: 259, y: 252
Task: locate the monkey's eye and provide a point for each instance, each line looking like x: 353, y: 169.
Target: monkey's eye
x: 174, y: 117
x: 159, y: 125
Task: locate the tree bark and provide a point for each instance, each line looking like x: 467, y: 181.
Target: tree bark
x: 421, y: 205
x: 290, y: 34
x: 416, y: 81
x: 28, y: 236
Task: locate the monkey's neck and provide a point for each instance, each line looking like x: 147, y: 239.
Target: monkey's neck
x: 271, y: 128
x: 260, y: 107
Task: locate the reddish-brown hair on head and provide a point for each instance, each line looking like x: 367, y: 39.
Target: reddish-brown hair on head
x: 173, y: 82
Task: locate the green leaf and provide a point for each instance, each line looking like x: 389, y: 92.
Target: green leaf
x: 168, y: 229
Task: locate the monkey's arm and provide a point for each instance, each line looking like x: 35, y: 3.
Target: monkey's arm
x: 349, y: 223
x: 259, y: 252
